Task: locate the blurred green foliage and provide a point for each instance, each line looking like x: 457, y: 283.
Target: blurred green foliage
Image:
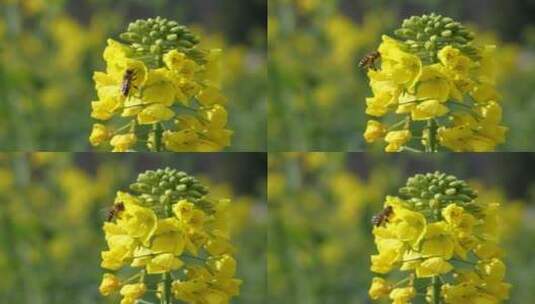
x: 53, y: 206
x: 317, y: 93
x: 50, y: 49
x: 321, y: 204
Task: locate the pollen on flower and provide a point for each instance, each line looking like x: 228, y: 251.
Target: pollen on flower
x: 154, y: 76
x: 438, y: 236
x: 432, y: 72
x: 169, y: 234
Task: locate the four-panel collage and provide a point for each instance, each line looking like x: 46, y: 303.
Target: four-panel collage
x: 267, y: 151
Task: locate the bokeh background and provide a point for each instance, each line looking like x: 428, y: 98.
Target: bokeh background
x: 317, y: 92
x: 321, y: 204
x: 53, y: 206
x: 49, y: 50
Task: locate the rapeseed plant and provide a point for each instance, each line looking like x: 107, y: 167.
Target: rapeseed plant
x: 169, y: 231
x: 161, y: 87
x: 444, y: 239
x: 441, y: 83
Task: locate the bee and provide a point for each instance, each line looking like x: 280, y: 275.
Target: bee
x: 114, y: 211
x: 368, y: 61
x: 126, y: 85
x: 381, y: 218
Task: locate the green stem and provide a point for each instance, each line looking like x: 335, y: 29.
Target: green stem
x: 466, y: 262
x: 462, y: 105
x: 166, y: 296
x: 166, y: 277
x: 397, y: 125
x: 432, y: 129
x: 405, y: 148
x: 132, y: 278
x: 117, y: 131
x: 436, y: 290
x: 402, y: 281
x: 157, y: 128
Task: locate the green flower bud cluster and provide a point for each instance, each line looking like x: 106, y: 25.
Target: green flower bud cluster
x: 434, y: 191
x: 167, y: 186
x: 150, y: 39
x: 428, y: 34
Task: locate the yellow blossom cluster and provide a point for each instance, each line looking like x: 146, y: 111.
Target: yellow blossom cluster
x: 438, y: 89
x: 165, y: 99
x: 444, y: 240
x: 177, y: 235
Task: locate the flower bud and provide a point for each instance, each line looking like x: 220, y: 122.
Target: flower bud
x: 133, y: 291
x: 99, y: 134
x: 446, y: 33
x: 110, y: 283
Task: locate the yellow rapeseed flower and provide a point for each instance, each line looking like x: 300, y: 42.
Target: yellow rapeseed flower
x: 396, y: 140
x: 429, y: 109
x: 374, y: 131
x: 123, y: 143
x: 379, y: 288
x: 99, y: 134
x: 132, y: 292
x: 110, y: 283
x: 400, y: 67
x: 402, y: 295
x: 433, y: 267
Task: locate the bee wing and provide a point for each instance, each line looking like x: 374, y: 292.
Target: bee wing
x: 104, y: 213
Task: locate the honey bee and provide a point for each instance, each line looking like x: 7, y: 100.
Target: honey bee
x: 114, y: 211
x: 381, y: 218
x: 126, y: 85
x: 368, y: 61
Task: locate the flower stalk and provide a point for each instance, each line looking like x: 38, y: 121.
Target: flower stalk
x: 158, y: 131
x: 166, y: 296
x: 431, y: 145
x: 436, y: 289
